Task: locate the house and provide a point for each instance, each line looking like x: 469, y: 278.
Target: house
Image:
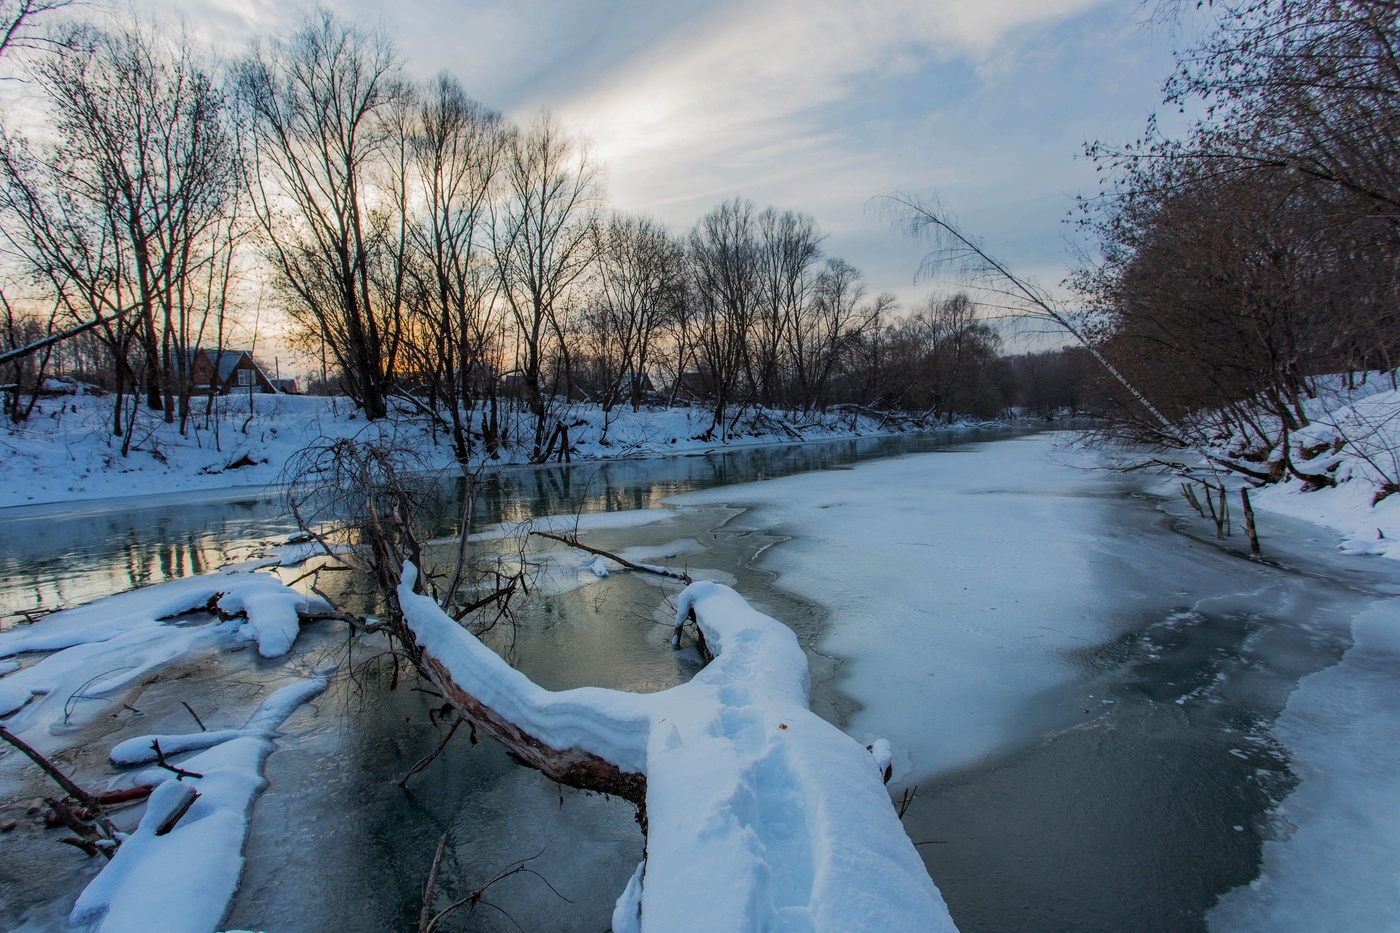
x: 640, y: 380
x: 692, y: 385
x: 219, y: 372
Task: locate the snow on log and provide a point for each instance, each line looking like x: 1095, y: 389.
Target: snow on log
x: 587, y: 737
x: 178, y: 871
x: 760, y: 814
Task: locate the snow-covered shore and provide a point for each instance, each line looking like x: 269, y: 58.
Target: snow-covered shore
x: 1353, y: 438
x: 65, y: 451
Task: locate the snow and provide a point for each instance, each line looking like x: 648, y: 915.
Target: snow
x: 935, y: 577
x: 66, y: 451
x: 749, y: 794
x: 1335, y: 864
x: 1366, y: 419
x: 105, y: 646
x: 183, y: 882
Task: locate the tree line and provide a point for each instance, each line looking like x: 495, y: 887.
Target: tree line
x: 1257, y: 251
x: 432, y: 255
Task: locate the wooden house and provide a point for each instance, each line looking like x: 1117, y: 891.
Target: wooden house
x: 219, y: 372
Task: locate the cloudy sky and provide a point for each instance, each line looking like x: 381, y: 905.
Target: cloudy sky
x: 817, y: 105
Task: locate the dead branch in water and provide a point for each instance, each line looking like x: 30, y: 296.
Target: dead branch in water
x: 428, y: 759
x: 639, y: 568
x: 95, y: 833
x: 477, y: 897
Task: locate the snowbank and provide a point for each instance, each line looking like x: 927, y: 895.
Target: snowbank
x: 66, y: 451
x: 761, y: 816
x: 1365, y: 422
x: 103, y: 647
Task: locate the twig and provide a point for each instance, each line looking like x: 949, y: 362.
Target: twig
x: 180, y: 773
x: 315, y: 570
x: 907, y: 799
x: 62, y: 780
x: 639, y: 568
x: 474, y: 898
x: 80, y: 695
x: 428, y: 759
x: 199, y: 721
x: 89, y: 834
x: 425, y: 914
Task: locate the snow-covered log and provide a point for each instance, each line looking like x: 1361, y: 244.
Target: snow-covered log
x: 760, y: 815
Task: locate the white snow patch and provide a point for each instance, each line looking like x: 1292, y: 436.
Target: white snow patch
x: 183, y: 882
x: 103, y: 647
x: 1334, y: 864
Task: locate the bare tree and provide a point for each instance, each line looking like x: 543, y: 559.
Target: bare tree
x: 328, y: 112
x: 121, y: 215
x: 789, y: 246
x: 543, y: 244
x: 824, y: 329
x: 725, y: 275
x: 1258, y: 250
x: 457, y: 151
x: 636, y: 285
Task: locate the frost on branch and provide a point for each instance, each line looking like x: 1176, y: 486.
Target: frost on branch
x: 759, y: 814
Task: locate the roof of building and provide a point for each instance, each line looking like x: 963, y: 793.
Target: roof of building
x: 226, y: 359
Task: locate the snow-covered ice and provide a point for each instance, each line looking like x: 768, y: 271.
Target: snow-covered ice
x: 183, y: 881
x: 1335, y: 864
x: 936, y: 577
x: 105, y: 646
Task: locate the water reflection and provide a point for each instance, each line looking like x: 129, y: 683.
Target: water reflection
x: 59, y: 556
x: 52, y: 560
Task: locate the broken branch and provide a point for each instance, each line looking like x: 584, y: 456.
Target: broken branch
x: 180, y: 773
x: 639, y: 568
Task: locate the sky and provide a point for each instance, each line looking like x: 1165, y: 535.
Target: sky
x: 820, y: 106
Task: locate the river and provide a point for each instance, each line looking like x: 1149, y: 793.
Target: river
x: 1127, y: 789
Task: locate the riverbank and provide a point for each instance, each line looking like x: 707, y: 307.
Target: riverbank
x: 65, y: 452
x: 1350, y: 452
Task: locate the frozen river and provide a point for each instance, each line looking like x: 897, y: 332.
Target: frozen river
x: 1083, y: 685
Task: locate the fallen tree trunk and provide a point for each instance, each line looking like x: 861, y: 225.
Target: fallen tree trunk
x: 779, y: 817
x: 570, y: 766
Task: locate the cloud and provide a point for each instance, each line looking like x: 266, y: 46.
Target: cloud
x: 809, y: 104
